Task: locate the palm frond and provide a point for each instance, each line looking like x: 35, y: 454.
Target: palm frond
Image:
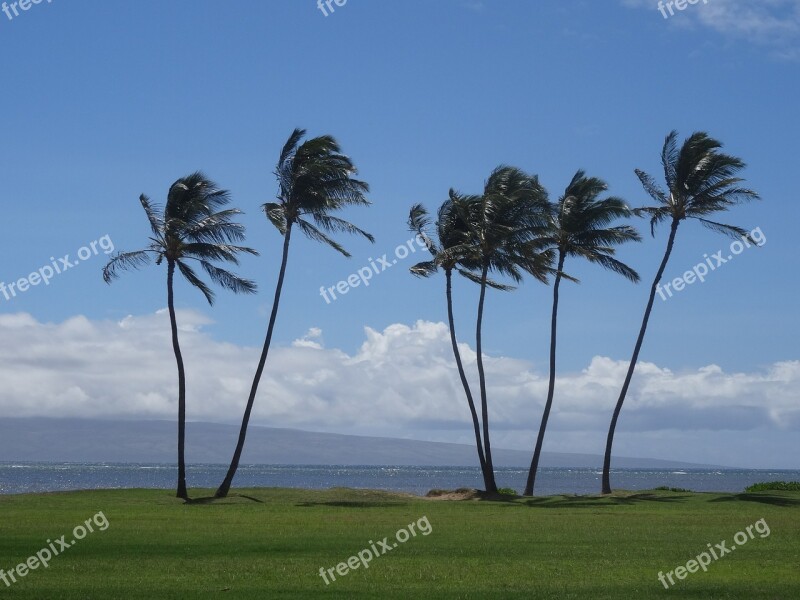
x: 277, y: 216
x: 228, y: 280
x: 195, y: 281
x: 151, y: 210
x: 316, y: 179
x: 728, y: 230
x: 702, y: 180
x: 651, y: 187
x: 476, y: 278
x: 581, y: 227
x: 669, y: 158
x: 291, y: 144
x: 612, y: 264
x: 315, y: 234
x: 612, y: 236
x: 218, y: 252
x: 216, y: 227
x: 657, y: 214
x: 192, y: 197
x: 539, y: 264
x: 123, y: 261
x: 335, y: 224
x: 424, y: 269
x: 419, y: 222
x: 418, y: 219
x: 698, y: 155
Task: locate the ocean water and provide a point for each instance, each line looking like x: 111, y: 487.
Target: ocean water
x: 18, y: 478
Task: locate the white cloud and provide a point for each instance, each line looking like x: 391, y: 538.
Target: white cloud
x: 400, y: 383
x: 773, y: 23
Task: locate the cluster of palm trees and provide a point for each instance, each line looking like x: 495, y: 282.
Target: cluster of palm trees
x: 314, y: 180
x: 513, y: 229
x: 493, y: 239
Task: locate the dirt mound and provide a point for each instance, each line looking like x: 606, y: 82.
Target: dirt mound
x: 459, y: 494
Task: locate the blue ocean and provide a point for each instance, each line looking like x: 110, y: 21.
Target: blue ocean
x: 20, y: 478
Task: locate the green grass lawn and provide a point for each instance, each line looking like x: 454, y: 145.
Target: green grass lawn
x: 271, y: 543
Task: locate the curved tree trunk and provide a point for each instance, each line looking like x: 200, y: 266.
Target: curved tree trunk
x: 225, y: 486
x: 181, y: 493
x: 606, y: 489
x: 491, y: 485
x: 551, y: 385
x: 475, y: 421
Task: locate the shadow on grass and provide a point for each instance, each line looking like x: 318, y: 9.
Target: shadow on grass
x: 352, y: 504
x: 598, y: 501
x: 212, y: 499
x: 489, y: 497
x: 760, y: 498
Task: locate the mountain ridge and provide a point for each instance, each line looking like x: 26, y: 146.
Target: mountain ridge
x: 42, y: 439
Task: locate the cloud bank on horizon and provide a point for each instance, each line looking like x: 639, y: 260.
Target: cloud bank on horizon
x: 401, y: 383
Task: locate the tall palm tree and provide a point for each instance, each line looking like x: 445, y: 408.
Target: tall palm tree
x: 506, y: 224
x: 193, y: 227
x: 701, y: 180
x: 579, y: 228
x: 315, y: 179
x: 450, y: 252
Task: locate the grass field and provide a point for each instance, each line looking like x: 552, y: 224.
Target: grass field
x: 271, y: 543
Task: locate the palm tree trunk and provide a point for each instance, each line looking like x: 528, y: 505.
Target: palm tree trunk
x: 181, y: 493
x: 606, y: 489
x: 551, y: 385
x: 223, y: 489
x: 475, y: 422
x: 491, y: 485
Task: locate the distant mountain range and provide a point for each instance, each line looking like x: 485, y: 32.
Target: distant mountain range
x: 89, y: 440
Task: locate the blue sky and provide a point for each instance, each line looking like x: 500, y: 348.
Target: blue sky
x: 103, y: 102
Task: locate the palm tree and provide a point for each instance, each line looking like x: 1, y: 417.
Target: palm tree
x: 315, y: 179
x: 701, y: 180
x: 453, y: 242
x: 506, y: 225
x: 579, y: 228
x: 193, y: 227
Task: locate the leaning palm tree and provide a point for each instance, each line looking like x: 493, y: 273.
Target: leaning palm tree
x: 194, y: 226
x: 579, y: 228
x: 315, y: 179
x: 506, y: 225
x: 450, y: 252
x: 701, y: 180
